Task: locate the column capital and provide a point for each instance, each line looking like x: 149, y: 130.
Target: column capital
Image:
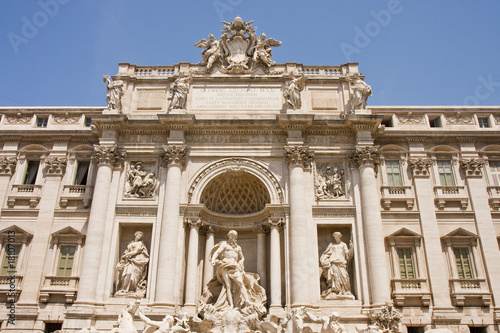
x: 368, y: 155
x: 276, y: 222
x: 261, y: 229
x: 299, y: 156
x: 108, y: 155
x: 8, y: 165
x: 210, y: 229
x: 174, y: 155
x: 192, y: 223
x: 421, y: 167
x: 473, y: 167
x: 55, y: 166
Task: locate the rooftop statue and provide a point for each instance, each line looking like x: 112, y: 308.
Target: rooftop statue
x: 239, y: 50
x: 114, y: 92
x: 360, y: 92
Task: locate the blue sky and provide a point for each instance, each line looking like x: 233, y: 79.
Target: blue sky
x: 413, y: 52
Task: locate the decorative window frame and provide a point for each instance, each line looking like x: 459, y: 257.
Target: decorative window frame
x: 18, y: 236
x: 472, y: 291
x: 447, y: 194
x: 405, y: 289
x: 390, y: 194
x: 78, y: 193
x: 60, y: 285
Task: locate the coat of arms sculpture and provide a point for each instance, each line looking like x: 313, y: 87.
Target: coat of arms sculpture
x: 239, y: 50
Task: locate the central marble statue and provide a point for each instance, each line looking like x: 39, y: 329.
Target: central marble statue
x: 232, y: 292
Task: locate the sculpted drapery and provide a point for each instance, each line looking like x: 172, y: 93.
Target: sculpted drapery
x: 131, y: 270
x: 334, y: 263
x: 232, y: 287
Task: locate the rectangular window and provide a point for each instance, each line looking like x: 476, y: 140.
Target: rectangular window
x: 31, y: 172
x: 483, y: 122
x: 393, y: 173
x: 387, y: 121
x: 415, y: 329
x: 66, y: 258
x: 435, y: 122
x: 495, y: 172
x: 9, y: 261
x: 88, y: 121
x: 445, y: 173
x: 82, y: 172
x: 463, y: 262
x: 42, y: 121
x: 406, y: 267
x: 52, y: 327
x: 477, y: 329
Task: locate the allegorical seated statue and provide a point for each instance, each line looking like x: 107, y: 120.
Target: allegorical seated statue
x: 334, y: 263
x: 168, y: 324
x: 132, y: 269
x: 232, y: 287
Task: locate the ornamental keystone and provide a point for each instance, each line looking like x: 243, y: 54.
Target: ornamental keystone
x: 299, y: 156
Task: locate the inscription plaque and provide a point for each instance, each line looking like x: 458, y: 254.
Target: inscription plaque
x: 236, y: 98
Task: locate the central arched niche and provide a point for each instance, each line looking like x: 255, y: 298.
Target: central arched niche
x: 235, y: 192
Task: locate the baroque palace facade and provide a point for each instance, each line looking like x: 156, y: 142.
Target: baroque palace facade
x: 119, y: 218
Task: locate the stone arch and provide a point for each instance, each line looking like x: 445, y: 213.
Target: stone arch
x: 256, y: 169
x: 444, y: 149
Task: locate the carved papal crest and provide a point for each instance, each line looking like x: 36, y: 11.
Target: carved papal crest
x: 239, y: 50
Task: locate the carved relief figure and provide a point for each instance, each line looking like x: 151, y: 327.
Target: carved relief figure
x: 125, y: 323
x: 177, y: 94
x: 232, y: 287
x: 292, y: 91
x: 167, y: 325
x: 330, y: 182
x: 360, y: 92
x: 334, y: 263
x: 132, y: 269
x: 387, y: 319
x: 140, y: 183
x: 114, y: 91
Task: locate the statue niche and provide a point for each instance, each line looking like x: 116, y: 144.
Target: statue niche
x: 131, y: 270
x: 335, y: 267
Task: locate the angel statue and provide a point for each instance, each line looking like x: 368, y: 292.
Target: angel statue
x: 360, y: 91
x: 262, y: 50
x: 212, y: 50
x: 292, y: 91
x: 114, y: 92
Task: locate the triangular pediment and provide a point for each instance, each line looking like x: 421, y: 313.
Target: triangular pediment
x: 460, y: 233
x: 404, y: 233
x: 68, y: 233
x: 16, y: 232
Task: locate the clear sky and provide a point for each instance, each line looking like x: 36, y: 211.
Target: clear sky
x: 413, y: 52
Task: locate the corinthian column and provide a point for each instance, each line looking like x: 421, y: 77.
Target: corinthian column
x: 208, y: 272
x: 473, y: 170
x: 365, y: 159
x: 106, y: 158
x: 275, y: 224
x: 192, y: 261
x: 301, y: 261
x: 167, y: 257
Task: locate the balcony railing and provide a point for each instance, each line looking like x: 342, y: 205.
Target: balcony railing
x: 444, y: 194
x: 10, y: 287
x: 28, y: 193
x: 77, y: 193
x: 65, y: 286
x: 403, y: 289
x: 391, y: 194
x: 470, y: 289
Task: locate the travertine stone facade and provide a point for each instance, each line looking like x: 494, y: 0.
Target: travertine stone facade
x: 284, y: 154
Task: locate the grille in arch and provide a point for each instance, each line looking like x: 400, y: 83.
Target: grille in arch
x: 235, y: 192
